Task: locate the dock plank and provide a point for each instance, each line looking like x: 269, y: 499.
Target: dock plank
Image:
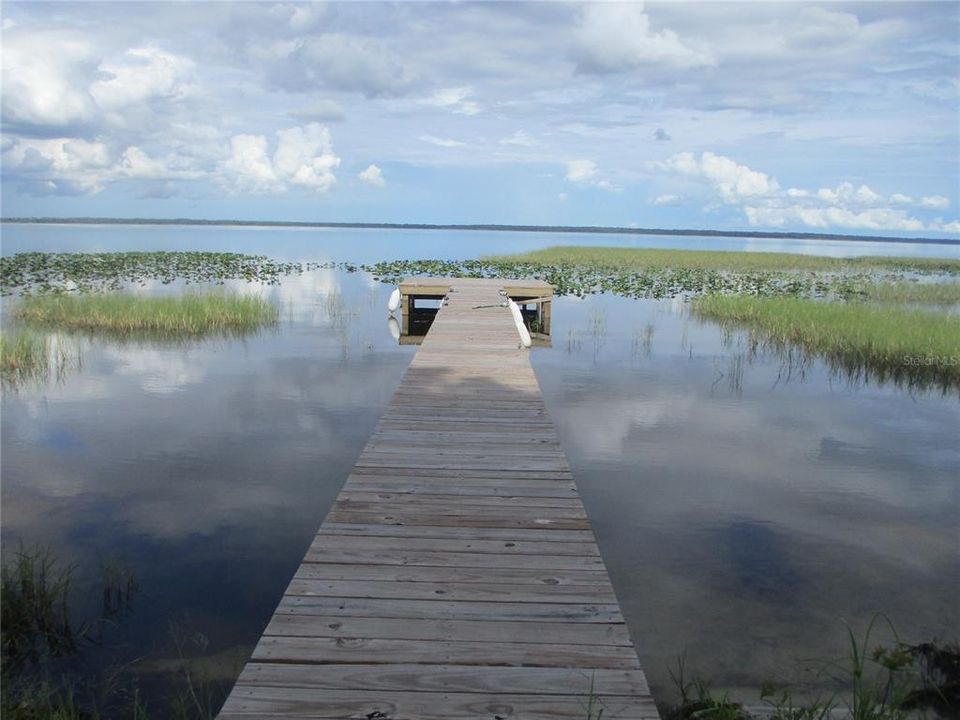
x: 456, y: 575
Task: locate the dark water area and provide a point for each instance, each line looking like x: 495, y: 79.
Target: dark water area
x: 746, y: 509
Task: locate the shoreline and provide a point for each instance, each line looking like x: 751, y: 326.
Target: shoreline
x: 572, y: 229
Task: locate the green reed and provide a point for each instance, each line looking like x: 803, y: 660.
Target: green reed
x: 635, y: 258
x: 134, y: 316
x: 916, y: 347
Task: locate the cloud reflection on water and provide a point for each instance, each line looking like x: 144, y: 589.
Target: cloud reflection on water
x: 749, y: 523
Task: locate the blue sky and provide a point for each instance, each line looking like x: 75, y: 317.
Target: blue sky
x: 832, y: 117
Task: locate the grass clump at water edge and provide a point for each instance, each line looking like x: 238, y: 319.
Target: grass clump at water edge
x: 891, y: 681
x: 29, y: 356
x: 123, y: 315
x: 34, y: 611
x: 916, y: 347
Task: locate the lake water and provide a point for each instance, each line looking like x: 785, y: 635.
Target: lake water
x: 747, y: 510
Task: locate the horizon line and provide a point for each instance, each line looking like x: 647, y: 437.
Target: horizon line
x: 496, y: 227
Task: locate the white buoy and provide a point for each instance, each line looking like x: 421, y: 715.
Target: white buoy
x: 394, y: 302
x: 521, y: 327
x: 394, y: 326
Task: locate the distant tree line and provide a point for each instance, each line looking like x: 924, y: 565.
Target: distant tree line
x: 597, y: 229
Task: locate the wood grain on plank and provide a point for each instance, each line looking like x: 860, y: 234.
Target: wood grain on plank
x: 456, y: 575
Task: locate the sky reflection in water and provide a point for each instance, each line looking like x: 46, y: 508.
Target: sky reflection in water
x: 744, y: 512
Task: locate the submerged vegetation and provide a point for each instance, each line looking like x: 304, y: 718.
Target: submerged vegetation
x: 652, y: 282
x: 916, y: 347
x: 788, y: 301
x: 630, y: 272
x: 895, y: 681
x: 85, y: 272
x: 881, y: 339
x: 133, y: 316
x: 654, y: 273
x: 35, y: 609
x: 42, y: 644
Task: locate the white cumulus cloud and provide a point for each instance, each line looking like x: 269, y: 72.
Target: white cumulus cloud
x: 935, y: 202
x: 846, y: 194
x: 733, y: 180
x: 585, y: 172
x: 824, y: 218
x: 143, y: 73
x: 303, y: 157
x: 373, y: 176
x: 759, y: 195
x: 46, y: 78
x: 60, y: 165
x: 614, y: 37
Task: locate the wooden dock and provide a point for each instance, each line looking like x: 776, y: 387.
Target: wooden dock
x: 456, y: 576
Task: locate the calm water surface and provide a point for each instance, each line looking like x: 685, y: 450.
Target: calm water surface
x: 746, y: 509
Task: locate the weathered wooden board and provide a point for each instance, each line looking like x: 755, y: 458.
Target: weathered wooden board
x: 456, y: 575
x: 488, y: 631
x: 448, y: 679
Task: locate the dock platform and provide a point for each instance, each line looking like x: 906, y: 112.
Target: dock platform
x: 456, y: 575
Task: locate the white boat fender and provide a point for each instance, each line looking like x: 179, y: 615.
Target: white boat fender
x: 394, y: 302
x: 394, y: 325
x: 521, y: 327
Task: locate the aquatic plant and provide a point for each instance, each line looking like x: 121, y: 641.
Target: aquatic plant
x: 698, y: 701
x: 40, y: 700
x: 642, y: 282
x: 34, y: 608
x: 39, y: 639
x: 737, y: 260
x: 84, y: 272
x: 915, y: 347
x: 24, y: 355
x: 940, y: 293
x: 878, y: 695
x: 889, y: 682
x: 133, y: 316
x: 594, y: 705
x: 119, y: 586
x: 631, y: 272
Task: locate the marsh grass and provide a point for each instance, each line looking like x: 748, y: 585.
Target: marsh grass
x: 892, y: 681
x: 594, y: 706
x: 34, y: 606
x: 915, y: 347
x: 41, y: 700
x: 698, y: 701
x: 191, y: 315
x: 639, y: 258
x: 941, y: 293
x: 42, y: 646
x: 879, y: 683
x: 119, y: 586
x: 27, y: 356
x: 24, y: 355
